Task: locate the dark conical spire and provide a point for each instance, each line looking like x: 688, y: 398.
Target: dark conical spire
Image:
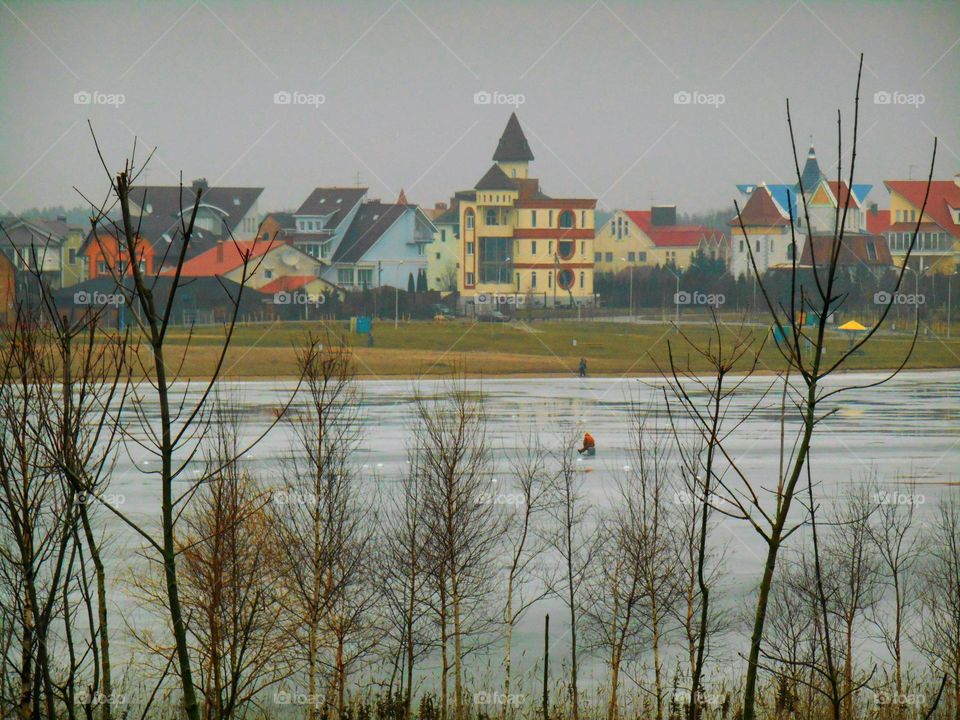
x: 513, y: 146
x: 811, y: 174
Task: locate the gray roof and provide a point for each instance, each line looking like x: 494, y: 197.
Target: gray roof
x: 336, y: 200
x: 513, y: 146
x: 369, y: 224
x: 495, y: 179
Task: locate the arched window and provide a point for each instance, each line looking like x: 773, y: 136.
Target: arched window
x: 567, y: 220
x: 468, y: 217
x: 491, y: 217
x: 566, y: 279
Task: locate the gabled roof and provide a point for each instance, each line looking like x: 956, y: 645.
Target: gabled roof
x: 335, y: 201
x: 372, y: 220
x: 944, y: 195
x: 287, y: 283
x: 671, y: 235
x: 23, y: 232
x: 513, y: 146
x: 227, y: 255
x: 166, y: 202
x: 857, y: 249
x: 495, y: 179
x: 761, y: 209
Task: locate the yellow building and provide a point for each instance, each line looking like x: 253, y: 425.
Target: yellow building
x: 518, y: 245
x: 938, y: 237
x: 632, y: 238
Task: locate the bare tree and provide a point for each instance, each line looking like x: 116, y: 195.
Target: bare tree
x: 525, y: 545
x: 940, y: 597
x: 572, y: 539
x: 317, y: 515
x: 463, y: 531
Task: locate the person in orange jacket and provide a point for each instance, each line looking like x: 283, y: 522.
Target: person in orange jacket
x: 589, y: 445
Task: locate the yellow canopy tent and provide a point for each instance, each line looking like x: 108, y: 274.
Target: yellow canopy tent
x: 852, y: 326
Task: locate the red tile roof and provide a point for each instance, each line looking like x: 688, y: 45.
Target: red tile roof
x: 944, y: 194
x: 761, y: 209
x: 670, y: 235
x: 224, y: 257
x: 287, y: 283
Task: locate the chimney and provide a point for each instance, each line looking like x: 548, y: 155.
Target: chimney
x: 219, y: 251
x: 440, y: 206
x: 663, y: 215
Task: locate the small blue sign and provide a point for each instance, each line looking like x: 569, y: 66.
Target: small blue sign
x: 363, y: 324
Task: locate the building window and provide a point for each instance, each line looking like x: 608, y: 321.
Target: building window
x: 101, y: 267
x: 550, y: 218
x: 632, y: 256
x: 494, y: 260
x: 421, y: 249
x: 491, y: 217
x: 598, y: 257
x: 566, y: 220
x: 871, y: 251
x: 268, y: 274
x: 72, y: 254
x: 581, y: 280
x: 741, y: 246
x: 566, y: 279
x: 469, y: 278
x: 549, y: 247
x: 790, y: 251
x: 583, y: 248
x: 533, y: 218
x: 443, y: 236
x: 438, y: 255
x: 345, y: 276
x: 533, y: 247
x: 365, y: 277
x: 609, y: 257
x: 756, y: 244
x: 583, y: 218
x: 549, y: 279
x: 566, y: 248
x: 643, y: 256
x: 533, y: 279
x: 469, y: 248
x: 469, y: 219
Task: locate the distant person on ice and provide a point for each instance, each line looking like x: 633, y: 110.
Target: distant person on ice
x: 589, y: 445
x: 583, y: 367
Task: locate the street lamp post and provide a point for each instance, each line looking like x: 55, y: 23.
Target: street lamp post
x: 396, y: 298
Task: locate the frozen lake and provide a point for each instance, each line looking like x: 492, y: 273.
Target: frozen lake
x: 907, y: 429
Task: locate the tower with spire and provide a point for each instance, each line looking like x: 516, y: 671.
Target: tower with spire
x: 518, y: 244
x: 513, y: 153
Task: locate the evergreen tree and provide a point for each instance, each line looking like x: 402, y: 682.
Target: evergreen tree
x: 410, y: 284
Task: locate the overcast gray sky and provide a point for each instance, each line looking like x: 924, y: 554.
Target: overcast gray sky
x: 398, y: 80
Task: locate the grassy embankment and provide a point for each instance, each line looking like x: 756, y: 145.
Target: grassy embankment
x: 541, y: 348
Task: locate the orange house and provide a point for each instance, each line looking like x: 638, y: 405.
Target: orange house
x: 104, y: 251
x: 8, y: 289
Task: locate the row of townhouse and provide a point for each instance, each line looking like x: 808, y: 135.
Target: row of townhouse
x: 873, y: 238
